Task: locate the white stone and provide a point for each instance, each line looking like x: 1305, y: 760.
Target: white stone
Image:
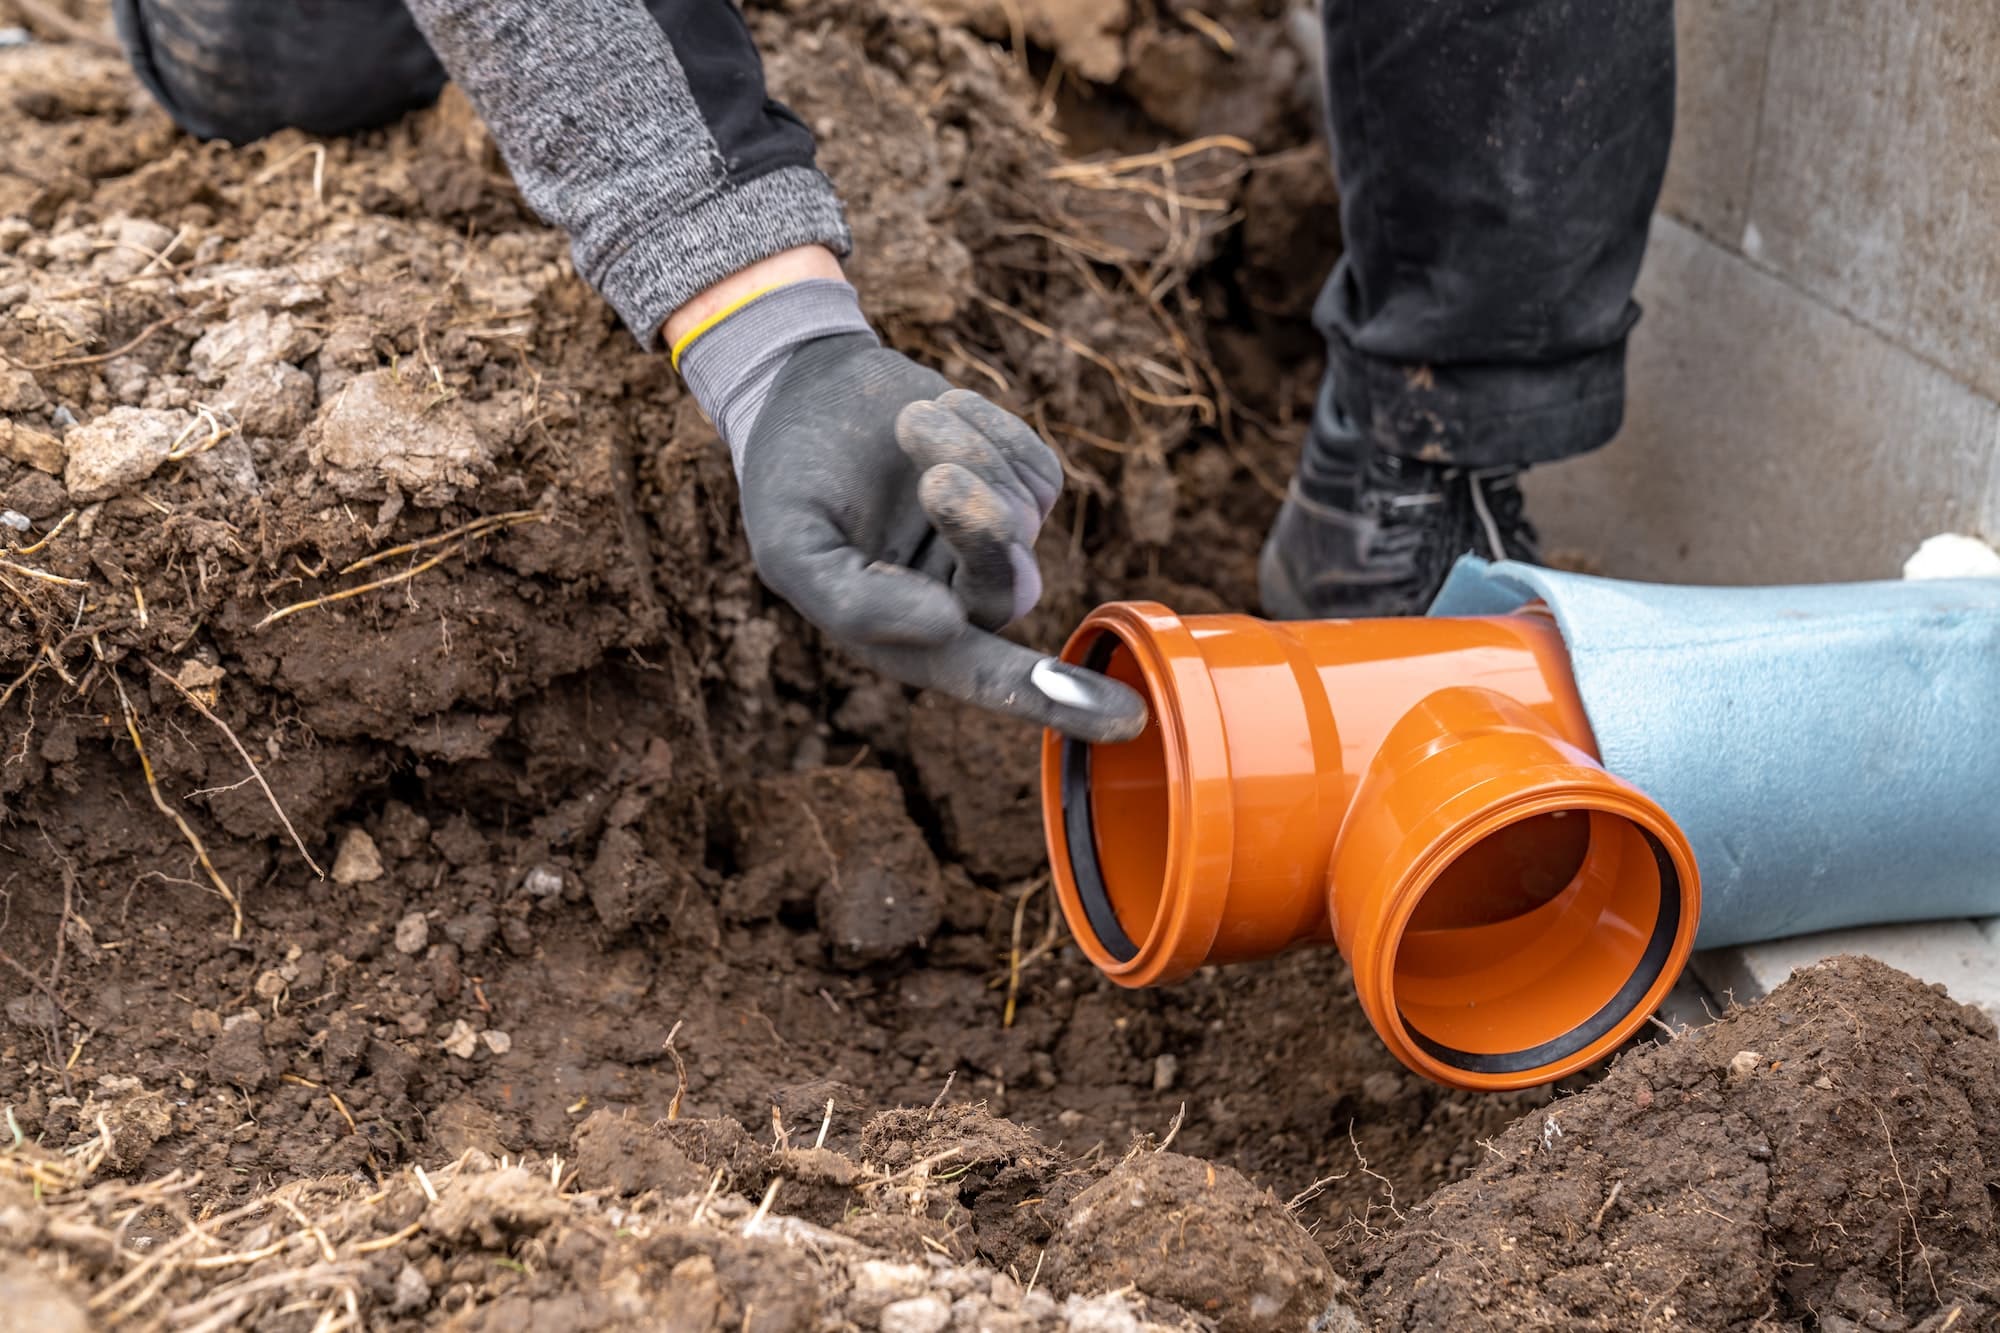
x: 497, y: 1041
x: 413, y: 932
x: 918, y: 1314
x: 117, y: 451
x: 274, y: 399
x: 411, y: 1292
x: 1099, y: 1314
x: 260, y: 338
x: 1953, y: 555
x: 132, y: 244
x: 878, y: 1283
x: 461, y: 1041
x: 357, y: 861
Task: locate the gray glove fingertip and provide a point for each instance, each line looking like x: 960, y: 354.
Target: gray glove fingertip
x: 992, y: 673
x: 1095, y: 707
x: 963, y: 428
x: 990, y: 535
x: 1033, y: 459
x: 931, y: 435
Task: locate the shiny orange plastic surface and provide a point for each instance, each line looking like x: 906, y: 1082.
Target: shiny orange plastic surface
x: 1423, y: 791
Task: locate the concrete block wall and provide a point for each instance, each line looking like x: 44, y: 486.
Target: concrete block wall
x: 1815, y: 386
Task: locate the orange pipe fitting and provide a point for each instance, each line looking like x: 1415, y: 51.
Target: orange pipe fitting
x: 1423, y: 792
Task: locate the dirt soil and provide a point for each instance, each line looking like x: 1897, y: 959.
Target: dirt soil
x: 663, y: 961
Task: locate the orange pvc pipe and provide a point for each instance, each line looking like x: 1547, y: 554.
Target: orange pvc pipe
x: 1423, y: 792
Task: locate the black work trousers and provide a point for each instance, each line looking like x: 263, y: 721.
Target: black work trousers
x: 1498, y: 164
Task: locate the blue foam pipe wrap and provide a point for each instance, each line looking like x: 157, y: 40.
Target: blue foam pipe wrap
x: 1832, y: 751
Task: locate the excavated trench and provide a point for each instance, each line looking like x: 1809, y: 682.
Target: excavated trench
x: 328, y: 455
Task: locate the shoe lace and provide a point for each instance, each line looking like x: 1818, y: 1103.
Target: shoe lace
x: 1496, y: 504
x: 1487, y: 526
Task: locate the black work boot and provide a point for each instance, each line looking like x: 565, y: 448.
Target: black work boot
x: 1364, y: 532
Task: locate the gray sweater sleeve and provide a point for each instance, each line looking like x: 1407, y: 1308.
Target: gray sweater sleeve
x: 647, y: 136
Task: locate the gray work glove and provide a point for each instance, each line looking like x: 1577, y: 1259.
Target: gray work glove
x: 896, y: 513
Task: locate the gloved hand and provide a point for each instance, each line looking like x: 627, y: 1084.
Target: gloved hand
x: 896, y: 513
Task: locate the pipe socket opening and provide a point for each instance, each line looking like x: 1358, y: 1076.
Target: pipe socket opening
x: 1534, y: 940
x: 1118, y: 816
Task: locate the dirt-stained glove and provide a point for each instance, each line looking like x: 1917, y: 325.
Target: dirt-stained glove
x: 896, y: 513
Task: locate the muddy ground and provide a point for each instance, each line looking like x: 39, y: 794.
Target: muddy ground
x: 323, y: 451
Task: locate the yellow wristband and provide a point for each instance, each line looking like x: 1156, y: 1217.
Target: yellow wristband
x: 687, y: 339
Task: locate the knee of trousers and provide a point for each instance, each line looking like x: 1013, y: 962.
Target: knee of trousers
x: 238, y: 70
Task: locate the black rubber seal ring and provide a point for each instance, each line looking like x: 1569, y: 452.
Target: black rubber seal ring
x: 1080, y: 828
x: 1651, y: 964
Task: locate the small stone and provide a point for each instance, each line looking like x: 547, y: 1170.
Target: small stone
x: 411, y: 1292
x: 135, y: 244
x: 14, y: 231
x: 200, y: 678
x: 117, y: 451
x: 16, y: 520
x: 270, y: 985
x: 1100, y: 1314
x: 413, y: 932
x: 461, y: 1041
x: 260, y: 338
x: 919, y: 1314
x: 36, y: 494
x: 273, y: 400
x: 126, y: 378
x: 34, y: 448
x: 19, y: 392
x: 205, y: 1023
x: 357, y: 861
x: 497, y: 1041
x: 1953, y: 555
x: 543, y: 882
x: 1742, y: 1065
x: 878, y: 1283
x: 1166, y: 1070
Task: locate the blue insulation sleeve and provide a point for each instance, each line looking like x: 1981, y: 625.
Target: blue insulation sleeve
x: 1832, y: 751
